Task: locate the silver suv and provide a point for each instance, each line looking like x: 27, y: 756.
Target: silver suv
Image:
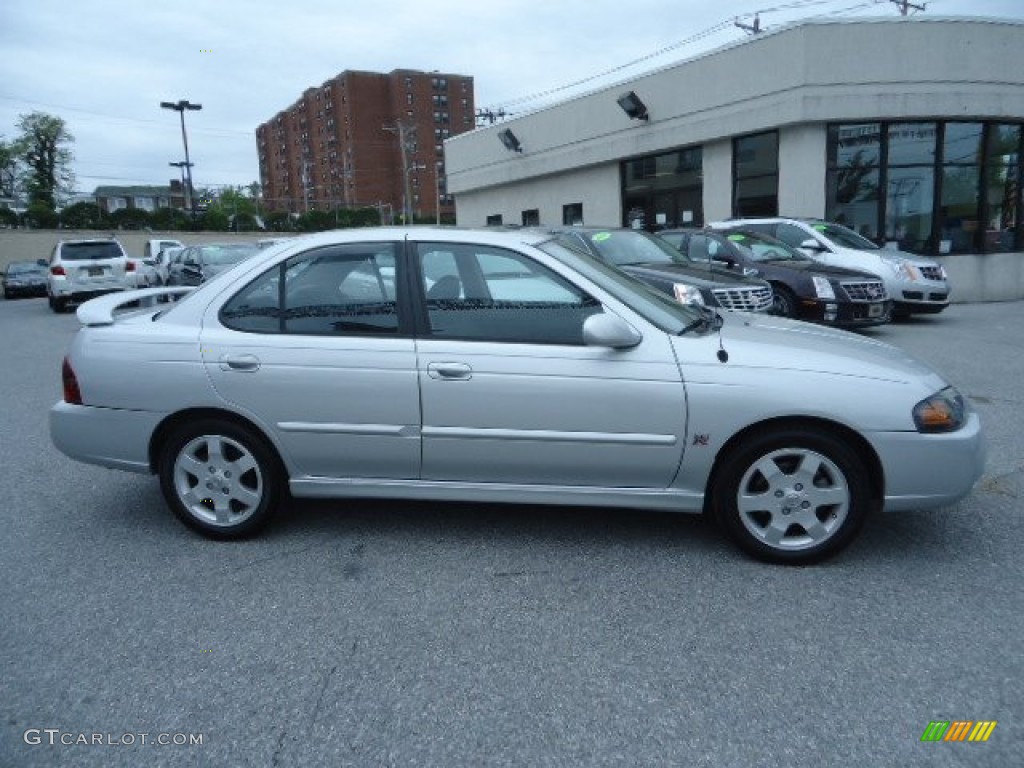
x: 916, y: 284
x: 83, y: 269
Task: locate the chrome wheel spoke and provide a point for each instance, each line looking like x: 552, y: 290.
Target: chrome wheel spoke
x: 246, y: 496
x: 753, y: 502
x: 243, y: 464
x: 191, y: 465
x: 836, y: 495
x: 770, y: 471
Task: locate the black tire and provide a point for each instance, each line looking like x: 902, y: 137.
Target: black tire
x: 243, y: 482
x: 807, y: 512
x: 783, y: 301
x: 58, y: 305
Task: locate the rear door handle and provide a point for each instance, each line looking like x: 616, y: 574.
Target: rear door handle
x: 239, y: 363
x: 449, y: 371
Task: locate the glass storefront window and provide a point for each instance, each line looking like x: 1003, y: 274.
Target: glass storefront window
x: 958, y: 223
x: 855, y: 146
x: 962, y: 143
x: 663, y: 191
x: 908, y: 207
x: 911, y: 143
x: 1002, y: 198
x: 852, y: 199
x: 756, y: 175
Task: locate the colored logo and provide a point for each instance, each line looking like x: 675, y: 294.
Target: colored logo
x: 958, y: 730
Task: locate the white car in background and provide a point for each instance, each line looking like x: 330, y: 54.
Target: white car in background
x: 916, y: 284
x: 84, y: 269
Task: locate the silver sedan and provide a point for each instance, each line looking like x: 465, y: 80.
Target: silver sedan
x: 500, y: 366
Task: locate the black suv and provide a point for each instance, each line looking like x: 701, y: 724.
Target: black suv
x: 802, y: 288
x: 658, y: 264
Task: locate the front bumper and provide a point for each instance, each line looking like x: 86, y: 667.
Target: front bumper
x: 928, y: 471
x: 846, y: 314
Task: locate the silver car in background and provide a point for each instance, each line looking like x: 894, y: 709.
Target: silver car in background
x: 501, y: 366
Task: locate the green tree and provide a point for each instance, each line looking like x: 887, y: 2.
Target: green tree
x: 171, y: 219
x: 41, y: 216
x: 213, y: 219
x: 9, y: 171
x: 130, y: 218
x: 43, y: 147
x: 279, y: 221
x: 84, y: 216
x: 315, y: 221
x: 8, y: 218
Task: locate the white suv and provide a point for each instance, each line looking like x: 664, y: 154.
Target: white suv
x: 83, y: 269
x: 916, y: 284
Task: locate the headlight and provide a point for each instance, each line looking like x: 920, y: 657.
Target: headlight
x: 823, y: 287
x: 942, y: 271
x: 909, y: 271
x: 687, y: 294
x: 942, y: 412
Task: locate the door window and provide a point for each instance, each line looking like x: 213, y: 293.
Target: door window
x: 491, y: 294
x: 346, y: 289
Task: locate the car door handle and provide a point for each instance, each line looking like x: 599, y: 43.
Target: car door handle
x: 239, y: 363
x: 451, y: 371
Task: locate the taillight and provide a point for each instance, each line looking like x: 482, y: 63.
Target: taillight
x: 129, y: 266
x: 72, y: 394
x: 57, y: 270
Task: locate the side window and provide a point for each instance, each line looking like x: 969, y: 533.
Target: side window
x: 340, y: 290
x: 492, y: 294
x: 792, y: 235
x: 698, y: 248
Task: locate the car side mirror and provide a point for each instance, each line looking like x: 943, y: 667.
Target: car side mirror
x: 604, y: 330
x: 811, y: 244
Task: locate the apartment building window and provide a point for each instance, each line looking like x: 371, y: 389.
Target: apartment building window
x: 756, y: 175
x: 408, y: 98
x: 531, y: 218
x: 572, y: 214
x: 494, y: 220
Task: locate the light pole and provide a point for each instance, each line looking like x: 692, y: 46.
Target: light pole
x: 182, y: 165
x: 180, y: 107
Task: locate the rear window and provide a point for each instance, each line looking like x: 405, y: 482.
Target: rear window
x: 88, y: 251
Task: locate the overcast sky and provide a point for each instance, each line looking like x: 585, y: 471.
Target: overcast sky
x: 104, y: 66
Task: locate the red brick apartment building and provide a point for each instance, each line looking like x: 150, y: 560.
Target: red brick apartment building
x: 341, y: 144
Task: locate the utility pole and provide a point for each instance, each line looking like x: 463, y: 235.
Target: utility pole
x: 180, y: 107
x: 904, y: 6
x: 406, y: 139
x: 751, y: 28
x: 182, y: 165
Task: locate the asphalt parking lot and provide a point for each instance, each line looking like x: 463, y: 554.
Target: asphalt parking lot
x: 399, y: 634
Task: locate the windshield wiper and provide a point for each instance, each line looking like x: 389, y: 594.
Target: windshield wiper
x: 709, y: 319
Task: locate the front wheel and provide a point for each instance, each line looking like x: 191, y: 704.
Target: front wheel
x: 220, y: 479
x: 792, y: 496
x: 783, y: 301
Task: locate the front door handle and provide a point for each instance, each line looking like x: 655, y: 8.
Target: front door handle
x: 239, y: 363
x: 449, y: 371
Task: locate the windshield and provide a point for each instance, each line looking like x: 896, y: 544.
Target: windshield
x: 219, y: 255
x: 844, y: 237
x: 622, y: 247
x: 656, y: 307
x: 24, y: 268
x: 83, y: 251
x: 760, y: 247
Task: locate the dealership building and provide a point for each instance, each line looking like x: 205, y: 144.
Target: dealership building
x: 908, y: 130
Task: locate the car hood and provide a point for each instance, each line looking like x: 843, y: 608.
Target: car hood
x: 812, y: 268
x: 913, y: 258
x: 770, y: 342
x: 696, y: 275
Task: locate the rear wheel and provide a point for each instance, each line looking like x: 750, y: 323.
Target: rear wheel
x: 792, y: 496
x: 58, y: 305
x: 220, y: 479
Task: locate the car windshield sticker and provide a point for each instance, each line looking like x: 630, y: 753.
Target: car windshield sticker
x: 737, y: 238
x: 601, y: 236
x: 820, y: 227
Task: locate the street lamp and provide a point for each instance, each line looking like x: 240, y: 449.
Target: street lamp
x: 408, y: 195
x: 182, y: 165
x: 180, y: 107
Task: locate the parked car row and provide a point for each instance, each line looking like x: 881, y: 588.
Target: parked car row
x: 510, y: 366
x: 81, y: 269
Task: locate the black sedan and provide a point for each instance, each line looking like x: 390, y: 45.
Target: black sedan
x: 199, y: 263
x: 656, y: 263
x: 802, y: 288
x: 24, y: 278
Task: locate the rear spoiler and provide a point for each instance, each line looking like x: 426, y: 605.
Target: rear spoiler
x: 100, y: 311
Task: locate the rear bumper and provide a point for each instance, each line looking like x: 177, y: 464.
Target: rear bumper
x: 108, y: 437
